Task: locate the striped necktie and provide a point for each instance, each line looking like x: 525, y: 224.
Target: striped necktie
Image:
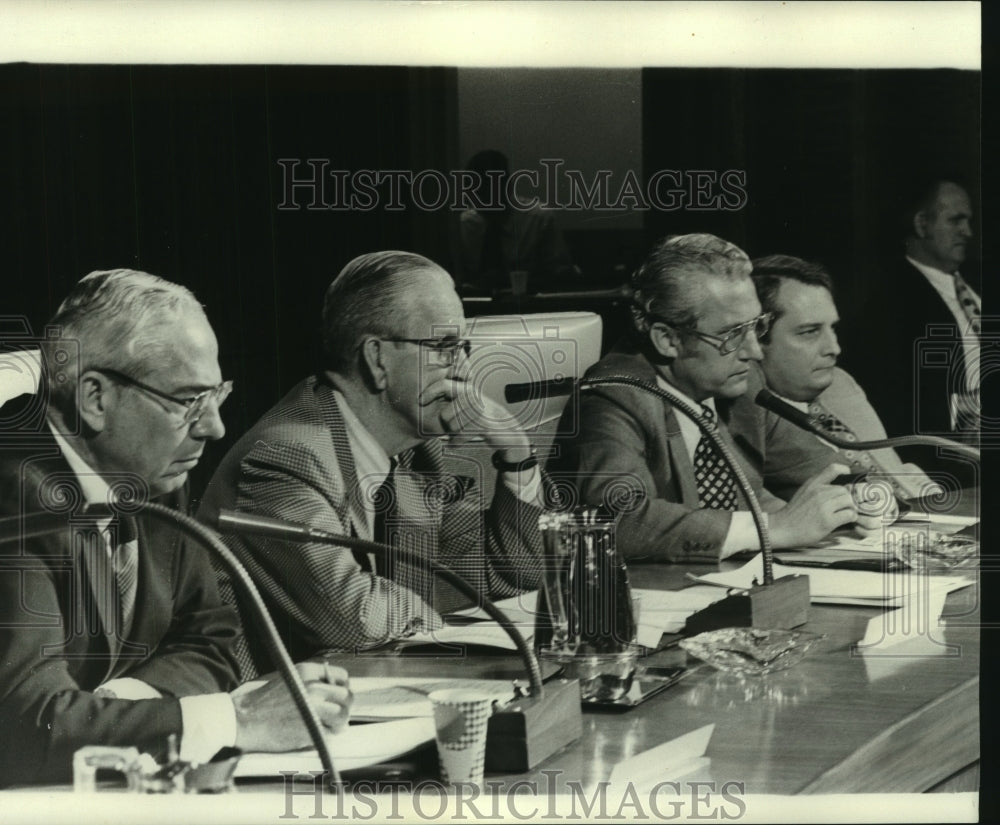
x: 125, y: 560
x: 716, y: 488
x: 384, y: 500
x: 967, y: 301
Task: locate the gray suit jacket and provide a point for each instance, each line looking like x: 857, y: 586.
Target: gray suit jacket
x: 628, y: 454
x: 296, y: 463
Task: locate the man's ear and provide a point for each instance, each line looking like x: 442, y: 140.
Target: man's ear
x: 372, y: 364
x: 920, y: 224
x: 93, y: 401
x: 664, y: 340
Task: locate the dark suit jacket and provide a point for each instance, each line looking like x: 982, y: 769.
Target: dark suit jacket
x: 629, y: 448
x: 296, y: 463
x: 903, y: 348
x: 55, y: 649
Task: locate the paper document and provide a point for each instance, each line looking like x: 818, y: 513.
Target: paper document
x: 519, y: 609
x: 486, y: 634
x: 671, y: 760
x: 398, y: 696
x: 667, y: 611
x: 356, y: 746
x: 831, y: 586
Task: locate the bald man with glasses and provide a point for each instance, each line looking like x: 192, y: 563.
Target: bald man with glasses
x: 358, y: 449
x: 697, y: 325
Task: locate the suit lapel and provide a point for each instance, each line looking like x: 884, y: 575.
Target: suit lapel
x: 350, y: 511
x: 680, y: 462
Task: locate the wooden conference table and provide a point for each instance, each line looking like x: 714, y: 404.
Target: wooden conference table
x: 837, y: 722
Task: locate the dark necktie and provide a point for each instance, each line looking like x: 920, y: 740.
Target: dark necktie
x: 716, y: 488
x: 968, y: 303
x: 125, y: 561
x: 384, y: 500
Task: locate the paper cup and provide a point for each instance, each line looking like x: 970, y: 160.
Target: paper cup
x: 460, y: 720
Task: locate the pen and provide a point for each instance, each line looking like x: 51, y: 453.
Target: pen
x: 326, y: 672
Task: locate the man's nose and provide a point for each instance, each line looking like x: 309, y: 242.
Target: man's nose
x: 832, y: 343
x: 209, y: 426
x: 750, y: 348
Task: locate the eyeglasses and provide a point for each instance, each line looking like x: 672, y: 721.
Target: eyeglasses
x: 194, y: 405
x: 733, y: 339
x: 444, y: 350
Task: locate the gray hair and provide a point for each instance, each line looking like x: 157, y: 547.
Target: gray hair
x: 667, y: 286
x: 115, y: 318
x: 372, y: 295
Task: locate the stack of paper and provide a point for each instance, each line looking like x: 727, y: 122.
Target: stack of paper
x: 832, y: 586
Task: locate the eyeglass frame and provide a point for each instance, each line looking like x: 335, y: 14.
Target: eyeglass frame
x: 440, y: 345
x: 194, y: 406
x: 738, y: 333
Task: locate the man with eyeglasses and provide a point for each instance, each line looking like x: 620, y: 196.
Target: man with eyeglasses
x: 358, y: 449
x: 697, y: 322
x: 112, y: 630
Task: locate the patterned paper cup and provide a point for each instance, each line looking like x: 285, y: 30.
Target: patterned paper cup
x: 460, y: 720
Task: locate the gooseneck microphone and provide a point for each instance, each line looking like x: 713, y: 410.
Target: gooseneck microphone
x: 17, y: 528
x: 566, y: 386
x: 767, y: 399
x: 243, y: 523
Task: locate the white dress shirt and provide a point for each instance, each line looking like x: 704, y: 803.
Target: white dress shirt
x: 208, y: 721
x: 944, y: 285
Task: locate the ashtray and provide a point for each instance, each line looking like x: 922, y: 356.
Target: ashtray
x: 750, y: 650
x: 937, y: 552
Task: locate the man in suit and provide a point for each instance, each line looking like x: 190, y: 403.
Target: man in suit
x: 358, y: 449
x: 800, y: 365
x: 921, y: 326
x: 111, y: 629
x: 697, y: 321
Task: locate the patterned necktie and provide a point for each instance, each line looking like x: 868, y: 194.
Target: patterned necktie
x: 125, y: 560
x: 968, y: 303
x: 716, y: 488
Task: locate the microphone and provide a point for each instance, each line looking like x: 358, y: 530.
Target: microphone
x: 767, y: 399
x: 29, y: 525
x: 522, y: 736
x: 235, y: 521
x: 552, y: 387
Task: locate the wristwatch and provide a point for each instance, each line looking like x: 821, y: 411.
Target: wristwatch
x: 514, y: 466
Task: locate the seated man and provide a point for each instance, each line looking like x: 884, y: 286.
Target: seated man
x: 697, y: 320
x: 800, y: 366
x: 358, y: 450
x: 112, y: 631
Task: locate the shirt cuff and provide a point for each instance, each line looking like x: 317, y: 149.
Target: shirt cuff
x: 209, y: 724
x: 527, y: 491
x: 742, y: 534
x: 129, y: 688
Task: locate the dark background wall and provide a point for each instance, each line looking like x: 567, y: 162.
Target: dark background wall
x: 175, y: 170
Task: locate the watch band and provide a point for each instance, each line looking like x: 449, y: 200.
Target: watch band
x: 515, y: 466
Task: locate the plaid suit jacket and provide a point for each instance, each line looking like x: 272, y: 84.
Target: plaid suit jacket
x: 296, y: 463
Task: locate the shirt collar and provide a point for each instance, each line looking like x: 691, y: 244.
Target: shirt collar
x: 94, y: 488
x: 939, y: 279
x: 801, y: 406
x: 369, y: 458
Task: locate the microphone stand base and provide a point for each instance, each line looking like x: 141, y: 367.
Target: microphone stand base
x: 531, y: 729
x: 781, y: 605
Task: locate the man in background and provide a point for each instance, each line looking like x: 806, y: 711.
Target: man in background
x: 800, y: 365
x: 358, y: 449
x: 500, y: 234
x: 112, y: 631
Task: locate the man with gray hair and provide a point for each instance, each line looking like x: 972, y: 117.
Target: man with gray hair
x: 358, y: 449
x: 112, y: 629
x: 697, y: 322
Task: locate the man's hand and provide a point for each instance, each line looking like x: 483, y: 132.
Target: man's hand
x: 876, y: 504
x: 470, y: 415
x: 817, y: 509
x: 267, y: 719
